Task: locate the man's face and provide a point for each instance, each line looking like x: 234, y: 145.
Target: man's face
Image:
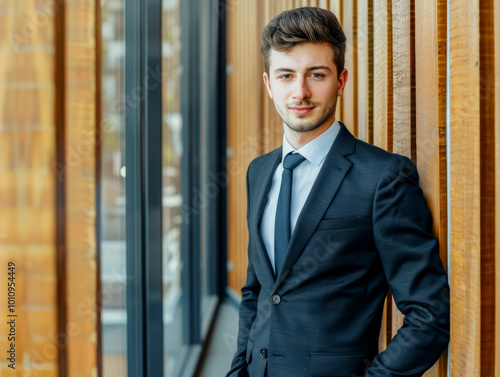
x: 304, y: 86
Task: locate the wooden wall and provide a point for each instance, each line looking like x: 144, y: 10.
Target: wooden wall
x: 82, y: 137
x: 48, y: 141
x: 396, y: 98
x: 27, y: 185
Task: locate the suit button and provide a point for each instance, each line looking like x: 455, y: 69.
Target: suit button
x: 263, y: 353
x: 275, y: 299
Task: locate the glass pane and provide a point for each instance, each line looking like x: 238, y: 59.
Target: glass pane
x: 113, y: 268
x: 172, y: 196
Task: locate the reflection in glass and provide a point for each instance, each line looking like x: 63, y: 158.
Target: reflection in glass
x: 113, y: 268
x: 172, y: 197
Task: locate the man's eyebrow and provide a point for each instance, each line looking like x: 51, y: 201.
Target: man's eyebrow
x: 308, y: 69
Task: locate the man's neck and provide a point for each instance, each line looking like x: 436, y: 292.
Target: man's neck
x: 299, y: 139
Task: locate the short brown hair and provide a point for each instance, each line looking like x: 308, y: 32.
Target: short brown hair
x: 304, y: 25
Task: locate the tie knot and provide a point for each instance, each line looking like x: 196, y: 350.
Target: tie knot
x: 291, y: 161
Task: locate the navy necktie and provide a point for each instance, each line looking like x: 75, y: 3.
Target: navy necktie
x: 282, y: 227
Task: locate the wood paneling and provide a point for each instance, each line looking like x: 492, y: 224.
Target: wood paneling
x: 404, y: 78
x: 80, y: 179
x: 336, y: 7
x: 382, y: 80
x: 430, y: 60
x: 465, y: 189
x: 27, y: 184
x: 365, y: 69
x: 403, y: 97
x: 245, y: 140
x: 350, y: 96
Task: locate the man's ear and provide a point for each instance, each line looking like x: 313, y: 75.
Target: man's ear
x: 268, y: 84
x: 342, y: 82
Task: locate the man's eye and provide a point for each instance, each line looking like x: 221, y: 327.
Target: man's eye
x: 318, y: 75
x: 284, y: 77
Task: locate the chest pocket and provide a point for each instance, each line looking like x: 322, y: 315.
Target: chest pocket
x: 338, y: 223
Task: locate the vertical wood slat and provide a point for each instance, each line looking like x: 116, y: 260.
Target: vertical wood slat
x: 28, y: 183
x: 430, y: 56
x: 404, y: 78
x: 404, y: 98
x: 245, y: 109
x: 323, y: 4
x: 487, y: 192
x: 465, y: 205
x: 382, y: 112
x: 350, y: 96
x: 365, y: 68
x: 382, y: 81
x: 80, y: 176
x: 336, y: 8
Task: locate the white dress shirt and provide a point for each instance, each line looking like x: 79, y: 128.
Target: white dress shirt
x: 304, y: 177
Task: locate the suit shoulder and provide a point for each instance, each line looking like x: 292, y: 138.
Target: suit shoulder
x: 379, y: 159
x: 370, y: 152
x: 258, y: 162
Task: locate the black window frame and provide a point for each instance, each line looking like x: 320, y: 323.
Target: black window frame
x: 143, y: 158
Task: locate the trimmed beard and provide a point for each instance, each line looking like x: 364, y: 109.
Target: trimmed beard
x: 298, y: 125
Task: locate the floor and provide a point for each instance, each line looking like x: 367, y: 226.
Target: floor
x: 223, y: 343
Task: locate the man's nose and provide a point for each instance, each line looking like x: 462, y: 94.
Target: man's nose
x: 301, y: 90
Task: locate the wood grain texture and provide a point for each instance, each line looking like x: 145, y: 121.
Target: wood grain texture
x: 336, y: 8
x: 323, y: 4
x: 383, y: 77
x: 404, y: 78
x: 80, y: 178
x: 27, y: 184
x: 245, y: 132
x: 365, y: 69
x: 430, y: 49
x: 350, y: 96
x: 465, y: 190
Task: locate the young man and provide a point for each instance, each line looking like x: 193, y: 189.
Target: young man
x: 333, y: 224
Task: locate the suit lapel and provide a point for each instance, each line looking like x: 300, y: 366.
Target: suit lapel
x: 259, y: 199
x: 322, y: 193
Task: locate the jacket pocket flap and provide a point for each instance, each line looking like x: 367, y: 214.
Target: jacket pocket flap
x: 339, y: 223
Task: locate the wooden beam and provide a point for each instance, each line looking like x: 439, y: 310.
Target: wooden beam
x: 383, y: 77
x: 350, y: 96
x: 336, y: 8
x: 430, y: 55
x: 404, y: 78
x: 404, y: 97
x: 323, y: 4
x: 465, y: 189
x: 365, y: 69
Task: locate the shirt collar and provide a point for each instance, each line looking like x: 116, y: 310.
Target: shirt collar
x: 316, y: 150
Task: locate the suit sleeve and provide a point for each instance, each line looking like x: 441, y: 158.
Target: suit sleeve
x: 409, y: 252
x: 248, y: 311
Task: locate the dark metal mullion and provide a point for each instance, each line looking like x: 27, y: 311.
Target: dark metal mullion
x: 134, y: 123
x: 153, y: 191
x: 221, y: 270
x: 190, y: 167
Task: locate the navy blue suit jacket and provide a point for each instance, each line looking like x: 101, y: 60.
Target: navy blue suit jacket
x: 364, y: 228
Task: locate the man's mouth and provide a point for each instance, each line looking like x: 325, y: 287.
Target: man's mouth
x: 301, y: 110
